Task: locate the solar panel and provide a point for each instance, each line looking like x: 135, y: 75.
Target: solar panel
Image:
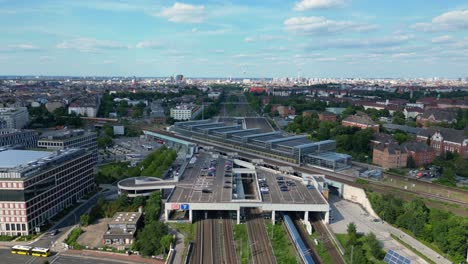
x: 394, y: 258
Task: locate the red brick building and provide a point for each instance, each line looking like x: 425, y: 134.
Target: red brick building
x: 327, y: 116
x: 445, y: 139
x: 436, y: 116
x: 420, y: 152
x: 361, y: 121
x: 389, y: 156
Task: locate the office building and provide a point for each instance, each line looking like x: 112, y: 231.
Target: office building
x: 13, y: 118
x: 63, y: 139
x: 18, y: 138
x: 36, y: 185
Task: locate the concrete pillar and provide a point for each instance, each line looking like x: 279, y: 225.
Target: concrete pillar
x: 273, y: 220
x: 166, y: 214
x: 306, y: 216
x: 238, y: 216
x: 327, y: 217
x: 190, y: 216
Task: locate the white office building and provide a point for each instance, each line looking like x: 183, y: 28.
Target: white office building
x: 13, y: 118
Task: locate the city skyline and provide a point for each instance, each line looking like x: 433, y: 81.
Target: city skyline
x: 310, y: 38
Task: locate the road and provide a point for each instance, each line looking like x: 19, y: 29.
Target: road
x: 67, y: 223
x: 7, y: 257
x: 344, y: 212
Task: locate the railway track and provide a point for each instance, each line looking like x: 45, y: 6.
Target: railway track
x: 204, y: 252
x: 305, y: 238
x: 330, y: 175
x: 327, y: 240
x: 229, y: 249
x: 262, y: 252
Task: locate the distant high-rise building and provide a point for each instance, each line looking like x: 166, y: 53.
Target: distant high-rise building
x: 179, y: 78
x: 36, y: 185
x: 13, y: 118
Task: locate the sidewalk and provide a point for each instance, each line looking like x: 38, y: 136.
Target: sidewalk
x: 110, y: 255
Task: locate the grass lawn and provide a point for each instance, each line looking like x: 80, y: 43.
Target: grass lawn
x: 242, y: 242
x: 282, y: 247
x: 321, y: 250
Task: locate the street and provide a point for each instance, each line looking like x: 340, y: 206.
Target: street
x: 9, y: 258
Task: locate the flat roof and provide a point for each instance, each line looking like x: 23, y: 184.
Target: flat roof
x: 294, y: 142
x: 333, y: 156
x: 13, y: 158
x: 268, y: 137
x: 194, y: 180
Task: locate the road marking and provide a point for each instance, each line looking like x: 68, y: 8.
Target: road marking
x: 55, y: 258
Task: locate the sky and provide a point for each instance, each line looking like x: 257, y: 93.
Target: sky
x: 244, y: 38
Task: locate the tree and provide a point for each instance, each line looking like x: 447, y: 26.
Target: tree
x: 410, y: 163
x: 166, y: 242
x: 149, y: 239
x: 84, y: 220
x: 398, y: 118
x: 352, y: 233
x: 375, y: 249
x: 401, y: 137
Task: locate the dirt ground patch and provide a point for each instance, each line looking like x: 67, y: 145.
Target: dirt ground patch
x: 92, y: 236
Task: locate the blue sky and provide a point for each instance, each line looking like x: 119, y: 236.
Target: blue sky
x: 247, y: 38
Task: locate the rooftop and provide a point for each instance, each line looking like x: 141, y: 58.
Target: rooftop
x: 13, y: 158
x: 125, y: 218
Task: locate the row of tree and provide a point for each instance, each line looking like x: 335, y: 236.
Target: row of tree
x: 154, y: 238
x: 443, y: 229
x: 155, y: 164
x: 41, y: 117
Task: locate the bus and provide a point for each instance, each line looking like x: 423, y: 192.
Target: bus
x: 27, y: 250
x: 21, y: 250
x: 40, y: 252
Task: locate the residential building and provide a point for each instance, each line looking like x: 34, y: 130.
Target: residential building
x: 436, y: 116
x: 443, y: 140
x: 64, y: 139
x: 360, y: 120
x: 85, y: 106
x: 420, y: 153
x: 14, y: 117
x: 36, y: 185
x: 389, y: 156
x: 122, y: 228
x: 16, y: 137
x: 412, y: 112
x: 184, y: 112
x: 283, y: 111
x: 327, y: 116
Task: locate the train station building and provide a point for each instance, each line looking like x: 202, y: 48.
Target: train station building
x: 296, y: 149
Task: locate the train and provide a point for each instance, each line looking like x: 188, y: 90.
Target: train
x: 304, y: 253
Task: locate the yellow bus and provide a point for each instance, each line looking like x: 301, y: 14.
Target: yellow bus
x: 40, y: 252
x: 21, y: 250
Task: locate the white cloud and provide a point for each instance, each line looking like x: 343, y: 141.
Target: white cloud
x: 148, y: 45
x: 317, y: 4
x: 313, y: 25
x: 248, y: 39
x: 380, y: 43
x: 90, y: 45
x: 19, y: 47
x: 449, y: 21
x: 184, y: 13
x: 442, y: 39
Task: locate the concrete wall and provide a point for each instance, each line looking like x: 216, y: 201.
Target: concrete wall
x: 359, y: 196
